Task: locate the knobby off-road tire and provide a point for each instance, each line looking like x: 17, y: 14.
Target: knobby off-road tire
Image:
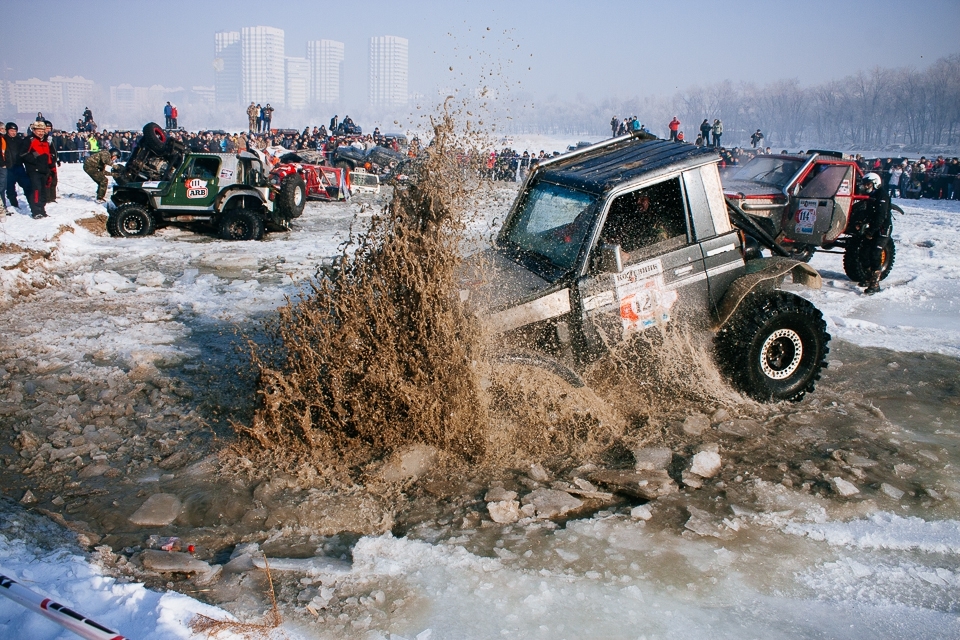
x: 154, y: 137
x: 241, y: 224
x: 131, y: 220
x: 856, y: 259
x: 774, y: 347
x: 292, y: 197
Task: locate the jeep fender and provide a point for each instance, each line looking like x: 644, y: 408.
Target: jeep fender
x: 768, y: 274
x: 229, y: 196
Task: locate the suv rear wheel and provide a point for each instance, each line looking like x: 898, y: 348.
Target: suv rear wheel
x: 241, y: 224
x: 774, y: 347
x: 131, y: 220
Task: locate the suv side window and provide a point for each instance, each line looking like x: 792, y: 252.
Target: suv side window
x: 647, y: 217
x: 203, y: 168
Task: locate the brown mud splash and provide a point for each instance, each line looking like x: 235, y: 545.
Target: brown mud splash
x: 379, y: 353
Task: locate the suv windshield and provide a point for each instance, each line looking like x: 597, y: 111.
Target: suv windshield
x: 552, y: 223
x: 767, y: 170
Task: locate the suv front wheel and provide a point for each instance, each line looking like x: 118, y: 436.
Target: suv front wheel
x: 131, y: 220
x: 774, y: 347
x: 241, y: 224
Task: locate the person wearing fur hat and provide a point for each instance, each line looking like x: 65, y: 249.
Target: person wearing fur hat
x: 38, y: 161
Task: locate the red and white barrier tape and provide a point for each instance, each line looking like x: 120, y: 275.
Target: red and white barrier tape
x: 66, y: 618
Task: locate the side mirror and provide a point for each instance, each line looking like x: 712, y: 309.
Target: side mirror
x: 609, y: 259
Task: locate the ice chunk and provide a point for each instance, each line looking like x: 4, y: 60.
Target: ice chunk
x: 844, y: 488
x: 159, y: 510
x: 504, y: 511
x: 641, y: 512
x: 891, y: 491
x: 176, y: 562
x: 151, y: 279
x: 651, y: 458
x: 648, y: 485
x: 499, y: 494
x: 316, y: 566
x: 706, y: 464
x: 538, y: 473
x: 551, y: 502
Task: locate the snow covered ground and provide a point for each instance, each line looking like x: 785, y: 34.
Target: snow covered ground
x: 803, y: 568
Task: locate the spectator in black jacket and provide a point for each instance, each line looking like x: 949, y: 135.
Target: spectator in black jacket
x: 16, y: 174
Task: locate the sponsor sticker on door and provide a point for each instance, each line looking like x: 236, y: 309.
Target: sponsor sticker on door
x: 226, y: 174
x: 806, y: 216
x: 196, y: 188
x: 644, y: 300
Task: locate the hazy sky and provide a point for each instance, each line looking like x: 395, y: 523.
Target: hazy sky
x: 561, y: 48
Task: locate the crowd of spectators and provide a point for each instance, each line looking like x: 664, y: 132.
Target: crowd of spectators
x: 904, y: 178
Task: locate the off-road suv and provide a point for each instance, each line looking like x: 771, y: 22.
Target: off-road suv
x: 808, y: 202
x: 163, y: 183
x: 633, y: 233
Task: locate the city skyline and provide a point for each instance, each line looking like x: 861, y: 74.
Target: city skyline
x: 249, y: 65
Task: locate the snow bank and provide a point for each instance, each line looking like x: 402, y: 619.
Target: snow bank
x: 65, y: 575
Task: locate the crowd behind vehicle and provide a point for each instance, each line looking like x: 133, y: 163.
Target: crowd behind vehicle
x: 902, y: 177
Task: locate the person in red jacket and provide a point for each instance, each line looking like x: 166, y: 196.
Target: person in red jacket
x: 38, y: 161
x: 674, y: 127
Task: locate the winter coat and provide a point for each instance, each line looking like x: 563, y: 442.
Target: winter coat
x: 717, y: 128
x: 168, y: 111
x: 14, y: 146
x: 37, y: 156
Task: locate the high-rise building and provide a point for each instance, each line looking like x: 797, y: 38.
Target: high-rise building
x: 125, y: 97
x: 76, y: 93
x: 388, y: 71
x: 227, y: 67
x: 326, y: 61
x: 297, y: 82
x: 262, y: 65
x: 33, y: 95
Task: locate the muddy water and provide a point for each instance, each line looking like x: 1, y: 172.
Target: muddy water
x: 723, y: 555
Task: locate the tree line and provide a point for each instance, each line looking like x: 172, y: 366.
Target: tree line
x: 876, y: 109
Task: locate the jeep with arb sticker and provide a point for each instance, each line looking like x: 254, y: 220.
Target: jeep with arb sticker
x: 633, y: 233
x: 163, y: 183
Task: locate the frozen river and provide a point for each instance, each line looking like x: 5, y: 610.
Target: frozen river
x: 96, y: 327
